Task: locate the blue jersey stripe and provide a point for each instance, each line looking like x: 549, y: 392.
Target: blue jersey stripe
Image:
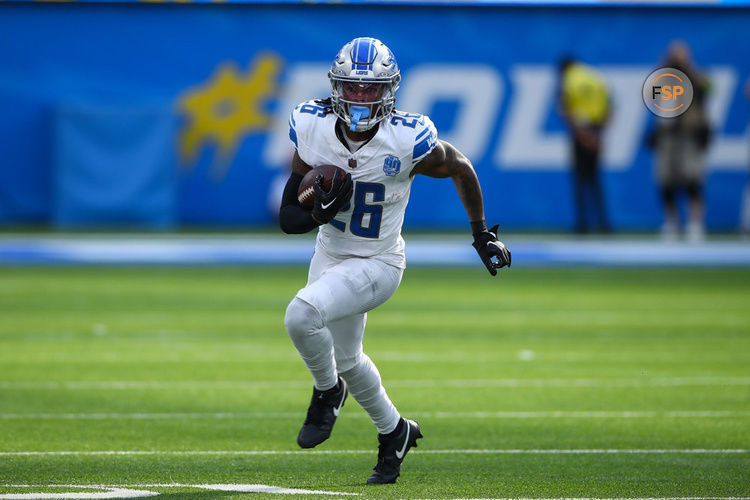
x: 422, y: 133
x: 422, y: 147
x: 293, y: 135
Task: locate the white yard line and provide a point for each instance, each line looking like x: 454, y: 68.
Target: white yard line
x: 589, y: 414
x: 419, y: 414
x: 601, y: 451
x: 616, y: 498
x: 126, y: 491
x: 150, y: 416
x: 461, y: 383
x: 111, y: 492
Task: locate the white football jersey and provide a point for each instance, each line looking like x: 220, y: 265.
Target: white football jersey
x: 370, y: 224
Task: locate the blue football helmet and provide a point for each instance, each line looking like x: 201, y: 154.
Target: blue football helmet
x: 364, y: 78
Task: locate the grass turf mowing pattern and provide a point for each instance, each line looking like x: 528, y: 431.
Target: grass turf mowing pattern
x: 206, y: 341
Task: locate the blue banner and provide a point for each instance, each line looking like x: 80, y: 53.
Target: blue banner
x: 486, y: 76
x: 453, y: 3
x: 114, y: 166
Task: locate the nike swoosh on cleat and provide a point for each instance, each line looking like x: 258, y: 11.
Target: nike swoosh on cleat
x: 328, y: 204
x: 400, y: 453
x: 337, y: 409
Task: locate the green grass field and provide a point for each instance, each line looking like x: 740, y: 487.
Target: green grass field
x: 541, y: 383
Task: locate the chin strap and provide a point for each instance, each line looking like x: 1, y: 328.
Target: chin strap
x: 357, y: 113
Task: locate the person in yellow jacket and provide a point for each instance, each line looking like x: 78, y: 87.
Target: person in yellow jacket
x: 584, y: 101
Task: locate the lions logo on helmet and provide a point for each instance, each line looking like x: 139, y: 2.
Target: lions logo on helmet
x: 364, y: 78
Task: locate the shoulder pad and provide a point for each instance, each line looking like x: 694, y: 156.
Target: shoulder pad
x: 303, y: 115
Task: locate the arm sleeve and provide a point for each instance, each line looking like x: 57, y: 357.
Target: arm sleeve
x: 294, y: 219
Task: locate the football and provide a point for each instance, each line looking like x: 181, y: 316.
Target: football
x: 306, y: 192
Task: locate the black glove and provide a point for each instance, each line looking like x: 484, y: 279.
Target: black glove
x: 327, y: 204
x: 488, y: 246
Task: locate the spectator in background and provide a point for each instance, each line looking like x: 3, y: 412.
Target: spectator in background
x: 584, y: 102
x: 680, y: 145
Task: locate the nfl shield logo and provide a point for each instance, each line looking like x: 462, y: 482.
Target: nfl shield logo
x: 392, y: 165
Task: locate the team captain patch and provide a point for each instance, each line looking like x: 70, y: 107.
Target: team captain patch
x: 391, y: 165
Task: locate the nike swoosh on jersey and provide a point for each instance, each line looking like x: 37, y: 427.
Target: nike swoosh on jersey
x: 400, y: 453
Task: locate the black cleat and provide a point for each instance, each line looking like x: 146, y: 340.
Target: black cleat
x: 321, y: 415
x: 392, y: 450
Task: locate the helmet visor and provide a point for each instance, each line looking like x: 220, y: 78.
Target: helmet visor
x: 361, y: 92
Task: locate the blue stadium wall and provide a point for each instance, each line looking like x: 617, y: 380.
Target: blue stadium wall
x: 168, y: 115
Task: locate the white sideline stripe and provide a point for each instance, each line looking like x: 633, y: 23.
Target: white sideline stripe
x: 92, y: 249
x: 461, y: 383
x: 602, y: 451
x: 420, y: 414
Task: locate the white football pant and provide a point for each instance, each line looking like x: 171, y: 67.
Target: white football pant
x: 326, y: 321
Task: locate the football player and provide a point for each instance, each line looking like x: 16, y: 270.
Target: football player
x: 359, y: 252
